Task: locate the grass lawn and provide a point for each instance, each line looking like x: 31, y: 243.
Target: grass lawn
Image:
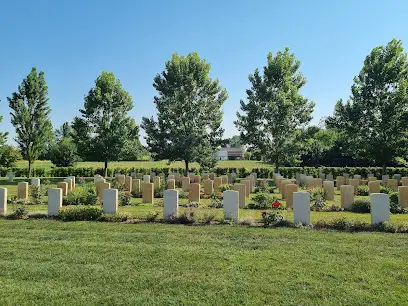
x: 153, y: 164
x: 84, y: 263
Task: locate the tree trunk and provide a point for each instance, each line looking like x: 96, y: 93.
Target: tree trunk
x: 384, y: 169
x: 186, y: 170
x: 29, y: 169
x: 105, y: 171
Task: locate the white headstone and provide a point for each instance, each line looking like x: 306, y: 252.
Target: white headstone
x: 380, y: 208
x: 301, y: 207
x: 3, y: 201
x: 302, y: 178
x: 133, y: 174
x: 35, y: 182
x: 329, y: 177
x: 370, y: 175
x: 170, y: 203
x: 231, y: 205
x: 110, y: 201
x: 146, y: 178
x: 54, y: 201
x: 10, y: 176
x: 357, y: 177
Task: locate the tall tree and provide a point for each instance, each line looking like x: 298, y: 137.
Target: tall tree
x: 374, y: 121
x: 271, y: 119
x: 30, y: 116
x: 3, y: 135
x: 63, y: 152
x: 105, y: 127
x: 318, y: 141
x: 189, y: 115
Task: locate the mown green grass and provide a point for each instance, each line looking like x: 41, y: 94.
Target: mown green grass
x: 152, y: 164
x: 82, y: 263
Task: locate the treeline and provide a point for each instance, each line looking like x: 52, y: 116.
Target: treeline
x: 370, y: 128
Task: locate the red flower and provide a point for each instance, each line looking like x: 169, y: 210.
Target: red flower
x: 276, y: 204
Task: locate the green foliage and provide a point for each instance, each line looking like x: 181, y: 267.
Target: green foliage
x: 394, y: 198
x: 374, y: 121
x: 30, y: 116
x: 224, y: 187
x: 234, y: 142
x: 118, y: 217
x: 261, y: 201
x: 80, y: 213
x: 363, y: 190
x: 317, y: 142
x: 395, y: 207
x: 19, y: 212
x: 152, y: 216
x: 271, y: 218
x: 159, y: 191
x: 36, y: 193
x: 3, y: 135
x: 275, y: 110
x: 124, y: 199
x: 104, y: 129
x: 81, y: 195
x: 386, y: 189
x: 189, y: 115
x: 361, y: 206
x: 9, y: 155
x: 64, y: 153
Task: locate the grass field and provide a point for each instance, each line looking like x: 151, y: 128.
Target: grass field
x: 153, y: 164
x: 83, y: 263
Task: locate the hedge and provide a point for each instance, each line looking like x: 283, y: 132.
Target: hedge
x: 288, y: 172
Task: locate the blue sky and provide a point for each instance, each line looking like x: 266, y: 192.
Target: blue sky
x: 73, y: 41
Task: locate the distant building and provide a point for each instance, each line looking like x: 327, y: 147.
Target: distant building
x: 230, y: 154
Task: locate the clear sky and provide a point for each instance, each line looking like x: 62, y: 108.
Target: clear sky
x: 73, y: 41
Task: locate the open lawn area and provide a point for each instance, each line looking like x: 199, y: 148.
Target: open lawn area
x: 152, y: 164
x: 84, y: 263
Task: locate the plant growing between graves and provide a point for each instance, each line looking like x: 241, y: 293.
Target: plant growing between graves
x: 159, y: 191
x: 363, y: 191
x: 386, y: 189
x: 361, y: 206
x: 81, y: 195
x: 262, y: 201
x: 19, y: 212
x: 36, y: 194
x: 124, y: 198
x: 152, y: 216
x: 225, y: 187
x: 80, y: 213
x: 271, y: 218
x: 395, y: 207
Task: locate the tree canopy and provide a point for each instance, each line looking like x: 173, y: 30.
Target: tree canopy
x: 104, y: 129
x: 272, y: 119
x: 189, y: 114
x: 30, y: 116
x: 374, y: 121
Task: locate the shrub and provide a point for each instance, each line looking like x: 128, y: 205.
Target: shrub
x: 225, y: 187
x: 394, y: 197
x: 183, y: 195
x: 317, y: 193
x: 81, y: 195
x: 386, y: 189
x: 271, y: 218
x: 318, y: 204
x: 261, y: 201
x: 333, y: 207
x: 395, y: 207
x: 187, y: 217
x: 159, y: 191
x: 363, y: 190
x: 360, y: 206
x: 19, y: 212
x: 36, y: 194
x: 124, y: 199
x: 152, y: 216
x: 136, y: 194
x: 80, y: 213
x: 208, y: 217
